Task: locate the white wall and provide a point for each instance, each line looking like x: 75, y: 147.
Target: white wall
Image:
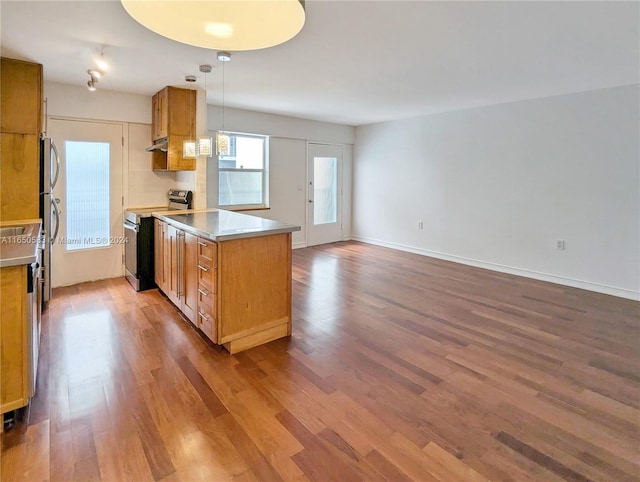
x: 287, y: 162
x: 496, y: 186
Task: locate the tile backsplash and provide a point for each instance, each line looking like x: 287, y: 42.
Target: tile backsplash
x: 146, y: 187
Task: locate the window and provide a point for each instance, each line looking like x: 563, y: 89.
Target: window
x: 87, y: 166
x: 243, y: 176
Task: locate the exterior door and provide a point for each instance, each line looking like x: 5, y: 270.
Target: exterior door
x: 324, y: 194
x: 90, y: 242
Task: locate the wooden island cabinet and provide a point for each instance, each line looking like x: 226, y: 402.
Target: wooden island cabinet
x: 236, y: 290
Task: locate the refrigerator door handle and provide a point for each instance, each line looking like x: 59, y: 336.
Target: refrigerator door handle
x: 57, y: 213
x: 57, y: 158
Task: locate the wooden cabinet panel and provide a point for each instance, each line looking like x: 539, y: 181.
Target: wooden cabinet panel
x: 254, y: 276
x: 14, y: 357
x: 21, y: 93
x: 189, y: 262
x: 174, y: 116
x: 158, y: 253
x: 172, y: 251
x: 19, y: 176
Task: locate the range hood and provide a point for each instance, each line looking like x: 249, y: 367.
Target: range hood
x: 161, y: 145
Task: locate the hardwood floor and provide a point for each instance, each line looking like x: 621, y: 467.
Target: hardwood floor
x: 400, y: 367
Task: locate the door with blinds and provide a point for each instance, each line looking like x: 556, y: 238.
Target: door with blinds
x: 90, y: 241
x: 324, y: 194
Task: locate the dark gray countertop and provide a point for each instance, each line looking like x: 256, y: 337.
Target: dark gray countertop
x: 220, y: 225
x: 16, y: 250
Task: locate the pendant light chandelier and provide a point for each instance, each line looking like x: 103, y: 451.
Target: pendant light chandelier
x: 202, y: 145
x: 221, y: 24
x: 223, y: 142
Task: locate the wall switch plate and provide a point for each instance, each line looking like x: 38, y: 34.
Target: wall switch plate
x: 420, y: 225
x: 560, y: 244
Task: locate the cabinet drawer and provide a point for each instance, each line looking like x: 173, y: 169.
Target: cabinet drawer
x: 206, y: 301
x: 208, y: 325
x: 207, y: 252
x: 207, y: 277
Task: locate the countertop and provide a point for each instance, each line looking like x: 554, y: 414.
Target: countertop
x: 220, y: 225
x: 20, y: 249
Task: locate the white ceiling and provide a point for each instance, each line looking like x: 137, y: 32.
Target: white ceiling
x: 355, y: 62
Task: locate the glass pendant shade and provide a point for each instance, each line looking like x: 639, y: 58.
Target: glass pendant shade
x: 205, y: 146
x: 223, y: 144
x: 189, y: 149
x: 221, y: 24
x: 194, y: 149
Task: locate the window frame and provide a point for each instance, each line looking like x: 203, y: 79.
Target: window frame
x: 265, y: 175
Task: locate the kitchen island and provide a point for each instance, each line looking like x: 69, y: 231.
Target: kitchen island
x: 229, y: 273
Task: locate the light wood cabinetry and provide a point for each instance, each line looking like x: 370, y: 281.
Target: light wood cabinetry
x: 189, y: 259
x: 175, y: 271
x: 254, y: 291
x: 242, y: 287
x: 20, y: 126
x: 19, y: 176
x: 21, y: 91
x: 14, y: 338
x: 174, y: 117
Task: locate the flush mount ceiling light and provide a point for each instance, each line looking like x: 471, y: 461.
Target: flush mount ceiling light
x: 221, y: 24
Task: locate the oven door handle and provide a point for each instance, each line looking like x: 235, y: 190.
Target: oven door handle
x: 131, y: 226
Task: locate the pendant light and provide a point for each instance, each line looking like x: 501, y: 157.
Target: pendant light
x: 204, y: 144
x: 223, y: 142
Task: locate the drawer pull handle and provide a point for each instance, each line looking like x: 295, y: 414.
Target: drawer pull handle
x: 202, y: 244
x: 202, y: 315
x: 203, y: 292
x: 202, y: 268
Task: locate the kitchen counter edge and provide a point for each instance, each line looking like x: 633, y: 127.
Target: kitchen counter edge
x: 18, y: 250
x: 167, y: 217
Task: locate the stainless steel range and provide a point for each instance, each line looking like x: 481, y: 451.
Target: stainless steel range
x: 138, y: 230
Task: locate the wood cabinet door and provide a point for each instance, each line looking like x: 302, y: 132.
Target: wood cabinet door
x: 13, y: 338
x: 21, y: 93
x: 20, y: 173
x: 190, y: 269
x: 163, y: 113
x: 181, y: 112
x: 172, y: 252
x: 158, y: 253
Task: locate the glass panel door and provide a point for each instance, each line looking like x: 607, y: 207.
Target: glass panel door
x: 90, y: 242
x: 324, y: 170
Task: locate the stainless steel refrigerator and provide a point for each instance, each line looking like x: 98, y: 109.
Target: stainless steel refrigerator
x: 49, y: 209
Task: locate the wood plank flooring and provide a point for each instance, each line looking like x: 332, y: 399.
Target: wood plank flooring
x: 400, y: 367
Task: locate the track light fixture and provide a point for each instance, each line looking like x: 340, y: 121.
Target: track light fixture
x: 96, y: 73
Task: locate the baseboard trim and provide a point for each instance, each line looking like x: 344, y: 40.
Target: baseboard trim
x: 299, y: 245
x: 574, y: 283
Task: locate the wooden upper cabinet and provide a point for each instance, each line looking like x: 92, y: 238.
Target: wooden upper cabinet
x: 21, y: 87
x: 173, y: 116
x: 21, y: 124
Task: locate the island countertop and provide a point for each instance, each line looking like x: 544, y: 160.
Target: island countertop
x: 220, y: 225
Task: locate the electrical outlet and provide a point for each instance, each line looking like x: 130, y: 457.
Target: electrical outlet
x: 560, y: 244
x: 420, y: 225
